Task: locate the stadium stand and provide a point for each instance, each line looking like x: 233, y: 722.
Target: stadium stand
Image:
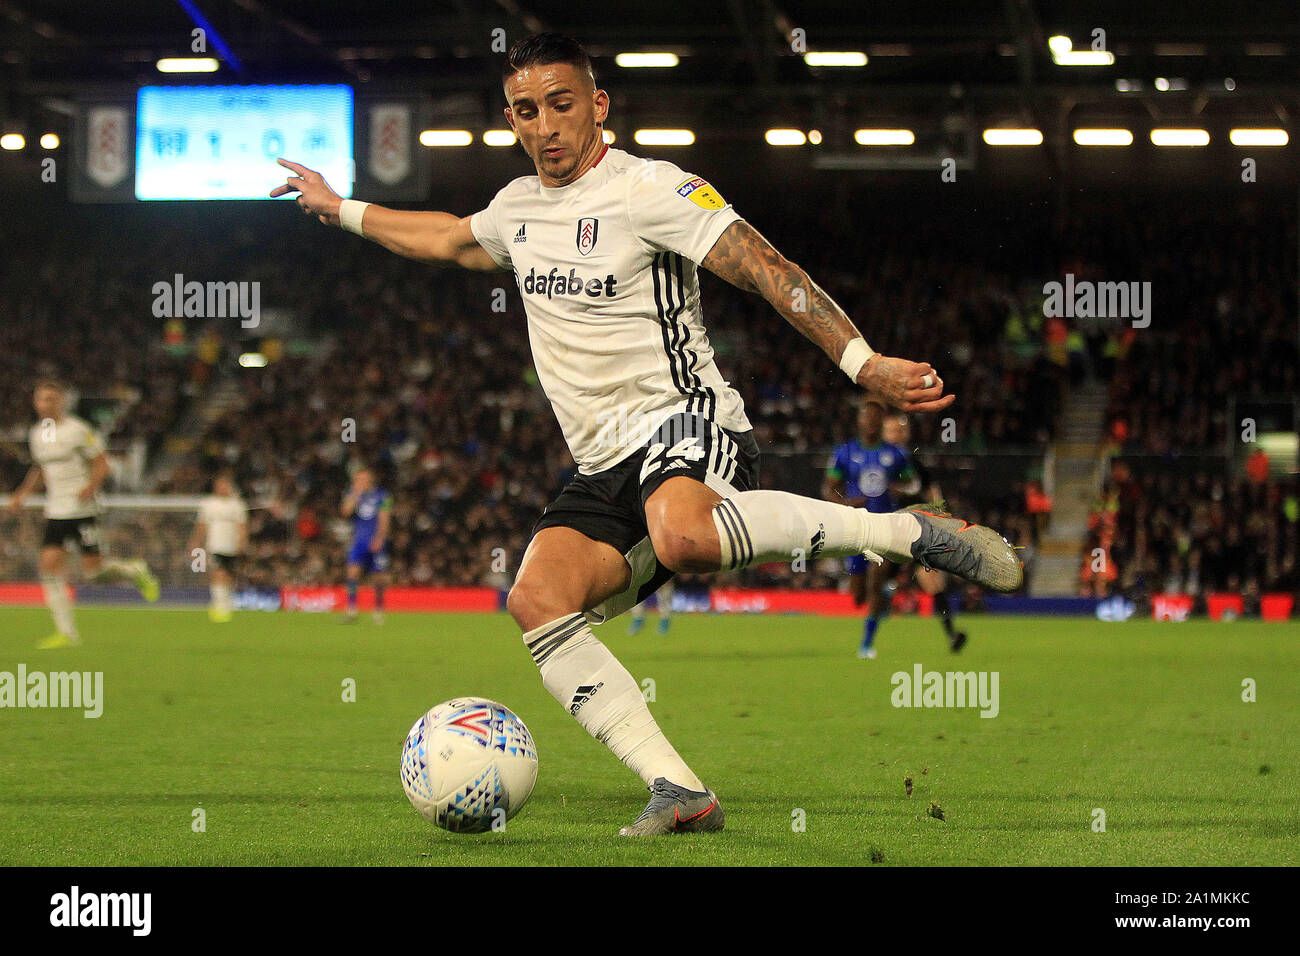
x: 443, y: 399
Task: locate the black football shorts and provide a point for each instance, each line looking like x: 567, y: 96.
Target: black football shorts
x: 83, y: 532
x: 609, y: 505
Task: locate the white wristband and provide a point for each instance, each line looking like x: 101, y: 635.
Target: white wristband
x: 856, y: 354
x: 350, y: 213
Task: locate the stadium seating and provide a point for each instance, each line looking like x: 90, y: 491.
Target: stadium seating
x: 444, y: 401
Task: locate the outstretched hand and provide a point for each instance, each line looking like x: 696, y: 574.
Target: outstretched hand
x: 900, y: 383
x: 315, y: 198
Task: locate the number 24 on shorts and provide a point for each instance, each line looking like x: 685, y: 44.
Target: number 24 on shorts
x: 688, y: 449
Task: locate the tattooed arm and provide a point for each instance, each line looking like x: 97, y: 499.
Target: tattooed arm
x: 748, y: 261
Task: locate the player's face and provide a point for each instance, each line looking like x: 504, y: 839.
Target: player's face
x: 897, y: 430
x: 222, y: 486
x: 48, y: 403
x: 870, y: 421
x: 555, y: 111
x: 362, y: 482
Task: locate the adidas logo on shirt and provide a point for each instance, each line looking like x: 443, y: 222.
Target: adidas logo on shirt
x: 519, y: 236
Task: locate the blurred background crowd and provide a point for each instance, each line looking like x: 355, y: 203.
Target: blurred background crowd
x: 389, y: 363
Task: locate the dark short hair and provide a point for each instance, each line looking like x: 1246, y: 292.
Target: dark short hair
x: 541, y: 49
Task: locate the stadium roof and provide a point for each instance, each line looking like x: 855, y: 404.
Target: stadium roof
x: 48, y: 44
x: 944, y: 69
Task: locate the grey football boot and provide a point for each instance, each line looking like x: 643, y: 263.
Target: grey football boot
x: 970, y: 551
x: 674, y: 809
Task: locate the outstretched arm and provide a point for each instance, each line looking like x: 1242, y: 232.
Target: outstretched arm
x: 438, y: 237
x: 30, y: 484
x: 749, y: 262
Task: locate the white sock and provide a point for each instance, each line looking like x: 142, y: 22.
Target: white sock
x: 588, y: 681
x: 60, y: 605
x: 760, y: 526
x: 220, y: 597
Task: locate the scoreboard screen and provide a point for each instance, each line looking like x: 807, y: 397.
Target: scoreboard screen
x: 221, y: 142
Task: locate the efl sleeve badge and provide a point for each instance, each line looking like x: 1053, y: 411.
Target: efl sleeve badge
x: 701, y: 193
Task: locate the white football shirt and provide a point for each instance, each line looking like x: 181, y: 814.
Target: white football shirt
x: 64, y: 451
x: 607, y: 269
x: 224, y: 517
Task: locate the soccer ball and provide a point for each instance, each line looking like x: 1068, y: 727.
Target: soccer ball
x: 469, y: 765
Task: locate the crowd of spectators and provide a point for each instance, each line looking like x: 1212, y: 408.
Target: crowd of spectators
x: 1222, y: 323
x: 1193, y: 529
x: 1222, y: 337
x: 453, y: 422
x: 411, y: 370
x: 72, y: 309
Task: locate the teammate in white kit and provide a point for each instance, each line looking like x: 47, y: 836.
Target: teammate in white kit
x: 605, y: 247
x: 222, y: 531
x: 68, y: 457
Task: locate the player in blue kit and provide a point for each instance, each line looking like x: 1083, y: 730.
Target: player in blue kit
x: 370, y: 509
x: 868, y: 472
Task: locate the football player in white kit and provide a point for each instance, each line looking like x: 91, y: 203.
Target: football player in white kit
x: 68, y: 457
x: 605, y: 248
x: 222, y: 531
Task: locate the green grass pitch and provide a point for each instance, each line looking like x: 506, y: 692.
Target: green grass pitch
x: 247, y: 721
